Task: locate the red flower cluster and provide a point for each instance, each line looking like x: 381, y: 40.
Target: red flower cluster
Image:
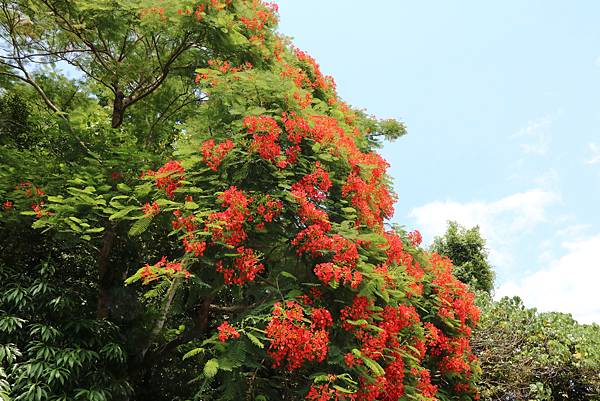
x: 190, y: 242
x: 398, y: 256
x: 228, y: 225
x: 326, y: 392
x: 213, y: 155
x: 267, y: 210
x: 265, y: 133
x: 366, y: 185
x: 151, y: 209
x: 8, y: 205
x: 415, y: 238
x: 202, y: 9
x: 321, y: 318
x: 379, y: 339
x: 263, y: 17
x: 226, y: 67
x: 168, y: 177
x: 163, y: 266
x: 315, y: 241
x: 30, y: 190
x: 309, y: 213
x: 427, y: 389
x: 345, y: 257
x: 372, y: 199
x: 456, y: 301
x: 293, y: 340
x: 37, y: 208
x: 394, y: 249
x: 192, y: 246
x: 319, y: 81
x: 226, y: 331
x: 313, y: 186
x: 153, y: 10
x: 296, y: 128
x: 187, y: 223
x: 297, y: 75
x: 245, y: 267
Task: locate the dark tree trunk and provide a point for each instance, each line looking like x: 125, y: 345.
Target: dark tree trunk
x: 105, y: 276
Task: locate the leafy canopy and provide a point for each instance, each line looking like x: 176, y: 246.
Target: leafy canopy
x: 466, y: 248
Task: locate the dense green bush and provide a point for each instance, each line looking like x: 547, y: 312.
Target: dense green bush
x: 526, y: 354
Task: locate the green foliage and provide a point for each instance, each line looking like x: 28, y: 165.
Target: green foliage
x: 14, y: 121
x: 52, y: 348
x: 466, y: 249
x: 527, y: 355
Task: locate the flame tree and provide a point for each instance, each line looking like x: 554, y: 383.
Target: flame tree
x: 246, y: 254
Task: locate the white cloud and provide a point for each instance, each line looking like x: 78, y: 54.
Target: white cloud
x: 595, y: 150
x: 569, y: 278
x: 568, y: 284
x: 501, y: 222
x: 534, y: 135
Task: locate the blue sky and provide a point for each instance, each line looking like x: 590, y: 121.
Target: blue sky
x: 502, y: 105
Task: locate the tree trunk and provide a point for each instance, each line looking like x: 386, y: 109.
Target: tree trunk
x: 105, y: 281
x: 118, y: 109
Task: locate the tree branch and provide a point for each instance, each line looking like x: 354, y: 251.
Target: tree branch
x: 160, y: 322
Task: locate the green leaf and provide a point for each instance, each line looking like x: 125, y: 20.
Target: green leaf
x: 140, y: 226
x: 166, y: 202
x: 360, y: 322
x: 123, y: 212
x: 143, y: 190
x: 288, y: 275
x: 342, y: 389
x: 211, y: 368
x: 73, y: 226
x: 123, y: 187
x: 191, y: 205
x: 193, y: 352
x: 255, y: 340
x: 56, y: 199
x: 94, y: 230
x: 373, y: 366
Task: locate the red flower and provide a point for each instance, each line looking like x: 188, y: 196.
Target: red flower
x: 37, y: 208
x: 228, y: 225
x: 415, y: 238
x: 321, y: 318
x: 293, y: 339
x: 163, y: 266
x: 226, y: 331
x: 168, y: 177
x: 213, y: 155
x: 195, y: 247
x: 151, y: 209
x: 245, y: 267
x: 314, y: 185
x: 269, y: 208
x: 265, y: 133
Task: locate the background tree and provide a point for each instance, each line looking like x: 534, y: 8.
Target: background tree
x: 525, y: 354
x: 466, y: 248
